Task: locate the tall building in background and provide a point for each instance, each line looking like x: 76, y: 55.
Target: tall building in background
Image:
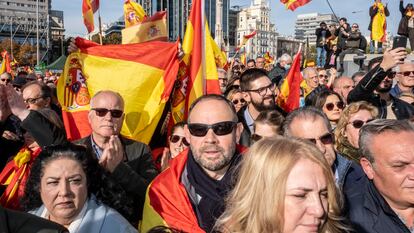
x: 18, y: 22
x: 306, y: 25
x: 178, y: 11
x: 256, y: 17
x: 232, y: 22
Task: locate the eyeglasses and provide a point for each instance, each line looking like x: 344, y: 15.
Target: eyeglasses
x: 321, y: 76
x: 220, y: 128
x: 407, y: 73
x: 353, y: 26
x: 326, y: 139
x: 263, y: 90
x: 236, y: 101
x: 357, y: 124
x: 101, y: 112
x: 330, y: 106
x: 256, y: 137
x: 5, y: 80
x: 32, y: 100
x: 176, y: 138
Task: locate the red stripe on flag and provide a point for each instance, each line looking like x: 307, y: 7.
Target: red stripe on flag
x: 76, y: 124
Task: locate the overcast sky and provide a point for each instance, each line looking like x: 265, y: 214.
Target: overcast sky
x: 354, y: 10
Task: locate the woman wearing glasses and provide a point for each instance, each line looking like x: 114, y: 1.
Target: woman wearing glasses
x: 297, y: 191
x: 236, y: 97
x: 330, y: 103
x: 353, y: 118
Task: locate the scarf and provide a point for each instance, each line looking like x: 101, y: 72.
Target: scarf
x: 212, y: 191
x: 349, y: 151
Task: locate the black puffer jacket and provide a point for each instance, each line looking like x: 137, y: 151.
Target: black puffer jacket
x: 403, y: 26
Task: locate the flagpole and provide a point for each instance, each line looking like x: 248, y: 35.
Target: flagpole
x: 329, y: 4
x: 203, y: 48
x: 100, y: 25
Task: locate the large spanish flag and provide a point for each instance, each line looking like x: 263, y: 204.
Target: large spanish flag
x: 143, y: 74
x: 198, y: 70
x: 293, y: 4
x: 133, y: 13
x: 87, y: 13
x: 152, y: 28
x: 379, y: 24
x: 289, y: 96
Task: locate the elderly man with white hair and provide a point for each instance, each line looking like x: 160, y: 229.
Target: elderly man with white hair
x: 279, y: 72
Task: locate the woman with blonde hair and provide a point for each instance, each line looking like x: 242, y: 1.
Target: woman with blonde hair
x: 284, y: 185
x: 353, y: 117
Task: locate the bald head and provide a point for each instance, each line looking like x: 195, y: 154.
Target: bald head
x: 102, y: 95
x: 343, y: 85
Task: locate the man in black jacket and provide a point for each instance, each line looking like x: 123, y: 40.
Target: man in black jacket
x: 377, y: 83
x: 342, y: 33
x: 279, y: 72
x: 355, y: 44
x: 385, y: 204
x: 322, y: 34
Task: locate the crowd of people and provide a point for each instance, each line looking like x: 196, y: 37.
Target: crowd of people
x: 341, y: 162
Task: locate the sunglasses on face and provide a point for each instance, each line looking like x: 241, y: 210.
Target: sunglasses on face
x: 357, y: 124
x: 407, y: 73
x: 5, y: 80
x: 323, y: 76
x: 263, y: 90
x: 330, y: 106
x: 101, y: 112
x: 325, y: 139
x: 219, y: 129
x: 236, y: 101
x: 176, y: 138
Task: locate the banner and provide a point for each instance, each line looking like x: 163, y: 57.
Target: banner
x: 293, y: 4
x: 152, y: 28
x: 143, y: 74
x: 133, y: 13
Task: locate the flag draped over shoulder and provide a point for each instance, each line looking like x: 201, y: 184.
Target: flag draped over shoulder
x: 379, y: 24
x: 5, y: 65
x: 167, y: 202
x: 245, y: 39
x: 289, y: 96
x: 133, y: 13
x: 198, y: 70
x: 87, y: 13
x: 152, y: 28
x: 143, y: 74
x: 293, y: 4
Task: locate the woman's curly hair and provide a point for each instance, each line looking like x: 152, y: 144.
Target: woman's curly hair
x: 98, y: 181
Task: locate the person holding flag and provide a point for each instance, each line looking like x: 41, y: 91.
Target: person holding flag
x: 378, y: 25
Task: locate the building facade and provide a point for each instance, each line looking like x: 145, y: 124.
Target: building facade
x: 306, y: 25
x: 233, y: 11
x: 256, y: 17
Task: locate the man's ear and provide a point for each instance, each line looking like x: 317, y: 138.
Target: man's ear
x: 367, y: 167
x: 246, y: 97
x: 187, y: 134
x: 239, y: 130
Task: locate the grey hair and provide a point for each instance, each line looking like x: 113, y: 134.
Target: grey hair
x: 307, y: 70
x: 7, y: 74
x: 309, y: 113
x: 114, y: 93
x: 285, y: 57
x: 376, y: 127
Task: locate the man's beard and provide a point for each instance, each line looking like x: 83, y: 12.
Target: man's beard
x: 383, y: 89
x: 260, y: 106
x: 221, y: 163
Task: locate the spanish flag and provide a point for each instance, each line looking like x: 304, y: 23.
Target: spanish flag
x: 5, y: 65
x: 167, y: 202
x: 268, y: 59
x: 219, y: 55
x: 87, y: 13
x: 152, y: 28
x: 198, y: 70
x: 143, y: 74
x: 293, y: 4
x: 289, y: 96
x: 245, y: 39
x: 133, y: 13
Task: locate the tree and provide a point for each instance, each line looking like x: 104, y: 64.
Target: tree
x: 113, y: 38
x: 26, y: 55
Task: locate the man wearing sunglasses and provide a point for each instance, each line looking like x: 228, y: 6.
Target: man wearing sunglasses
x: 5, y: 78
x: 259, y: 92
x: 405, y: 79
x: 385, y: 204
x: 376, y: 85
x: 190, y: 193
x: 312, y: 124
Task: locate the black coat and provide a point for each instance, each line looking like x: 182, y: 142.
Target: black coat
x: 365, y: 91
x: 373, y: 11
x: 403, y: 26
x: 321, y: 41
x: 370, y: 213
x: 19, y: 222
x: 277, y: 74
x: 341, y: 36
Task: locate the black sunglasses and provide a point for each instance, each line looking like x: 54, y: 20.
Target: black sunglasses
x: 407, y: 73
x: 220, y: 128
x: 330, y: 106
x: 326, y: 139
x: 357, y: 124
x: 236, y: 101
x: 176, y: 138
x: 322, y: 75
x: 6, y: 80
x: 101, y: 112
